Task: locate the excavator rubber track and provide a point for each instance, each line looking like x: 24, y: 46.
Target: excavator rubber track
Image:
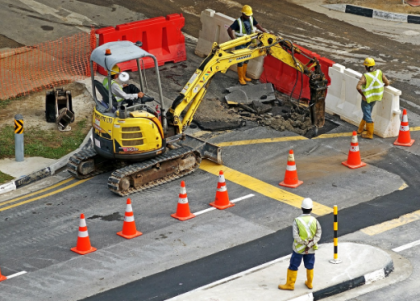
x: 80, y: 157
x: 137, y: 168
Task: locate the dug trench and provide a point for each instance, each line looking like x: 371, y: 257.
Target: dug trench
x: 279, y: 114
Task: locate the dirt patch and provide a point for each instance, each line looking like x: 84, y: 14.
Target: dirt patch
x: 5, y: 42
x: 395, y: 6
x: 32, y: 107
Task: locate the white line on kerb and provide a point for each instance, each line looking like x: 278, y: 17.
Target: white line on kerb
x: 15, y: 275
x: 238, y: 275
x: 233, y: 201
x: 407, y: 246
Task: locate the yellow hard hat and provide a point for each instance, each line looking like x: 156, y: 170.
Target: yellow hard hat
x: 369, y: 62
x: 115, y: 70
x: 247, y: 10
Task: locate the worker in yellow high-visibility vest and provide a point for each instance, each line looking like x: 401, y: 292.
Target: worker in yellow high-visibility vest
x: 306, y: 234
x: 244, y: 25
x: 371, y: 87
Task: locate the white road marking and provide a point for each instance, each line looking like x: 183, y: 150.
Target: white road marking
x: 15, y: 275
x: 374, y: 276
x: 233, y: 201
x: 407, y: 246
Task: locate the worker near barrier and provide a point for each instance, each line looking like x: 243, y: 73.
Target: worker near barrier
x: 371, y: 87
x: 126, y: 93
x: 244, y: 25
x: 306, y: 234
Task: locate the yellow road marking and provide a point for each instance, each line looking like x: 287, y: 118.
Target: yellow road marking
x: 403, y: 186
x: 37, y: 192
x: 415, y: 128
x: 388, y: 225
x: 258, y: 141
x: 262, y: 187
x: 333, y: 135
x: 45, y: 195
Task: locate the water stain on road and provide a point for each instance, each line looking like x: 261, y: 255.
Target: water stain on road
x: 116, y: 216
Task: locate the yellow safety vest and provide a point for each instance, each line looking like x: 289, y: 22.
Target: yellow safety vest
x: 307, y: 230
x: 374, y: 88
x: 242, y: 30
x: 105, y: 83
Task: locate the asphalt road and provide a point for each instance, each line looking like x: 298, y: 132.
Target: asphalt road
x: 173, y: 257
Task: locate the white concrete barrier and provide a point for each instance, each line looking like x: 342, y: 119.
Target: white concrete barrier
x: 214, y: 29
x: 344, y: 100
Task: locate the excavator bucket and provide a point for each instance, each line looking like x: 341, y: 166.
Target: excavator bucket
x: 207, y: 150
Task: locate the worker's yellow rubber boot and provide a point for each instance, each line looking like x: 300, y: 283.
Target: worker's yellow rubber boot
x: 291, y: 279
x: 309, y: 278
x: 361, y: 126
x: 246, y: 78
x: 240, y: 75
x: 369, y: 131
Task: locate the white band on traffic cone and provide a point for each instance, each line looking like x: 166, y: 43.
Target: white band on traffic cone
x: 404, y: 128
x: 129, y: 208
x: 354, y: 139
x: 83, y: 233
x: 222, y: 189
x: 354, y: 148
x: 82, y: 222
x: 221, y: 178
x: 291, y: 167
x: 182, y: 190
x: 405, y: 118
x: 129, y: 218
x: 183, y: 200
x: 291, y: 158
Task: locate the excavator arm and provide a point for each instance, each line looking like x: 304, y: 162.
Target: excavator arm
x: 224, y: 55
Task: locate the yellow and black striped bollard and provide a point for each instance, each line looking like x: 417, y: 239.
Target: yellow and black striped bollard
x: 335, y: 260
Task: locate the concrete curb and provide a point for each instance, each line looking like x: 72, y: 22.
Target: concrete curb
x: 373, y: 13
x: 45, y: 172
x: 348, y: 285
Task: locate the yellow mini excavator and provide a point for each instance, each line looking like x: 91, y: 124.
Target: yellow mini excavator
x: 143, y: 151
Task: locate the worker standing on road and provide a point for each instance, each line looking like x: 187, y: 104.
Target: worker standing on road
x: 127, y: 93
x: 244, y: 25
x: 371, y: 87
x: 306, y: 234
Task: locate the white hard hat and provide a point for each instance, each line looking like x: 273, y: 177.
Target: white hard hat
x: 124, y: 77
x: 307, y: 203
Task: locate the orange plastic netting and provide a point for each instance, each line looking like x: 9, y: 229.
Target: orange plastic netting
x: 34, y: 68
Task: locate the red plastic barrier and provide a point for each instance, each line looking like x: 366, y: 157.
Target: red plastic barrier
x: 160, y: 36
x: 284, y: 77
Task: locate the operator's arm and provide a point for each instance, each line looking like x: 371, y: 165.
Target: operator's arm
x: 258, y: 26
x: 361, y: 83
x: 296, y: 236
x: 385, y: 80
x: 120, y: 93
x: 232, y: 28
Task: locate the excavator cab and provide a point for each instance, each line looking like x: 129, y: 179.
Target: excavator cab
x: 120, y: 131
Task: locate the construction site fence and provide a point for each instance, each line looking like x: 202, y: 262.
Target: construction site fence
x: 34, y: 68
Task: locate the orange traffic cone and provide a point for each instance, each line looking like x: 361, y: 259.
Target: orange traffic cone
x: 2, y: 278
x: 221, y: 200
x: 354, y: 160
x: 183, y: 210
x: 404, y: 138
x: 83, y: 242
x: 129, y: 226
x: 291, y: 177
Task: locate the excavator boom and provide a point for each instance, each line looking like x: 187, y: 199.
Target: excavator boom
x: 223, y: 56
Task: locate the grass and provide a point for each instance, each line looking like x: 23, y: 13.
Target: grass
x: 5, y: 178
x: 43, y: 143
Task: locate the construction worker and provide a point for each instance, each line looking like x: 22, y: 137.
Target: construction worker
x: 125, y: 93
x: 244, y: 25
x: 306, y: 234
x: 371, y: 87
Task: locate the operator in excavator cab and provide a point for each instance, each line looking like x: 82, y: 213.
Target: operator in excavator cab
x: 244, y: 25
x: 126, y: 93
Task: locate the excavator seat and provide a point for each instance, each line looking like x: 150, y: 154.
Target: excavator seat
x: 105, y: 96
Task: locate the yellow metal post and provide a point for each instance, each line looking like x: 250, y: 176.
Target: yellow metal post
x: 335, y: 260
